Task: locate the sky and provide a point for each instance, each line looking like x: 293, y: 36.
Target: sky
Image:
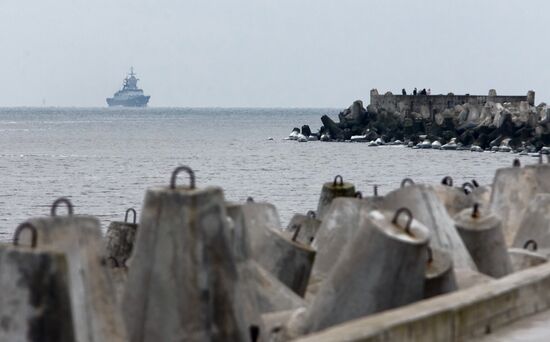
x: 269, y: 53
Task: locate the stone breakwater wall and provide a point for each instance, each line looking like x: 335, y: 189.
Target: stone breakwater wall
x: 464, y: 120
x: 430, y: 105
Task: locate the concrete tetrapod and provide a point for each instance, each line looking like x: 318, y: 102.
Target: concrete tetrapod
x: 264, y: 291
x: 535, y: 224
x: 383, y: 267
x: 290, y: 261
x: 183, y: 281
x: 332, y: 190
x: 120, y: 240
x: 426, y: 207
x: 95, y: 313
x: 259, y: 218
x: 34, y: 302
x: 482, y: 234
x: 336, y: 230
x: 454, y: 199
x: 513, y: 190
x: 306, y: 225
x: 271, y: 294
x: 526, y: 257
x: 440, y: 276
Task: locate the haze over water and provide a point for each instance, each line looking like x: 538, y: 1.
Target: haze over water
x: 103, y: 159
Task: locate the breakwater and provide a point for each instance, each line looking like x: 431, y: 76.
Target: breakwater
x: 481, y: 122
x: 193, y: 266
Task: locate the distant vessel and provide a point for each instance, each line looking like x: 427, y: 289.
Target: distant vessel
x: 130, y: 95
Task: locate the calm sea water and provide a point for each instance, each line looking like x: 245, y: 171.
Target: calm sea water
x: 103, y: 159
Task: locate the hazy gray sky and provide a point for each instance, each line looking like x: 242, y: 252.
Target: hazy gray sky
x: 281, y: 53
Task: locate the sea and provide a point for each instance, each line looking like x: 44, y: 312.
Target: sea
x: 103, y: 159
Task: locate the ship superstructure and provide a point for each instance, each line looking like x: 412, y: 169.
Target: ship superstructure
x: 130, y: 95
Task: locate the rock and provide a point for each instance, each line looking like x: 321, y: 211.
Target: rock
x: 306, y: 130
x: 332, y: 128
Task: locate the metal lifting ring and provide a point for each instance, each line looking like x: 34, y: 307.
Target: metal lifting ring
x: 529, y: 243
x: 20, y: 228
x: 338, y: 183
x: 311, y: 214
x: 56, y: 204
x: 448, y: 181
x: 250, y: 199
x: 516, y: 163
x: 133, y: 211
x: 296, y: 232
x: 409, y: 221
x: 465, y: 187
x: 358, y: 194
x: 175, y: 175
x: 406, y: 181
x: 475, y: 210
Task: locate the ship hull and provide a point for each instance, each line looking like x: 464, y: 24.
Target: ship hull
x: 134, y: 101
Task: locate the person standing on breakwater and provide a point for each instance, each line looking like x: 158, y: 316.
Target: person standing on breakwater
x: 415, y: 91
x: 403, y: 91
x: 429, y: 91
x: 423, y: 92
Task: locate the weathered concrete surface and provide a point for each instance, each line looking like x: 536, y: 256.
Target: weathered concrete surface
x: 427, y: 208
x: 270, y: 294
x: 183, y: 281
x: 383, y: 267
x: 96, y: 315
x: 466, y: 278
x: 336, y: 230
x: 454, y: 199
x: 535, y: 224
x: 440, y: 276
x: 308, y: 226
x: 513, y: 190
x: 523, y: 259
x: 532, y: 329
x: 34, y: 300
x: 259, y: 219
x: 482, y: 234
x: 120, y: 239
x: 289, y: 261
x: 458, y: 316
x: 332, y: 190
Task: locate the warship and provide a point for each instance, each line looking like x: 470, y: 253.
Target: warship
x: 130, y: 95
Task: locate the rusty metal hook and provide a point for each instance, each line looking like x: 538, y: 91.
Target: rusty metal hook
x: 409, y: 221
x: 475, y: 210
x: 448, y: 181
x: 20, y: 228
x: 53, y: 211
x: 529, y: 243
x: 358, y: 194
x: 296, y: 232
x: 126, y: 215
x: 516, y: 163
x: 406, y: 181
x: 336, y: 183
x: 179, y: 169
x: 465, y: 187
